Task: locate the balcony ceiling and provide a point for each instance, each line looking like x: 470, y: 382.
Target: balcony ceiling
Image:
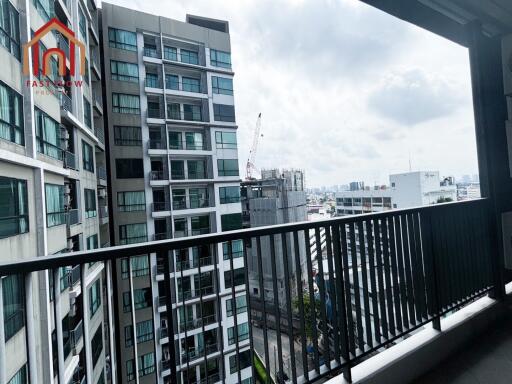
x: 448, y: 17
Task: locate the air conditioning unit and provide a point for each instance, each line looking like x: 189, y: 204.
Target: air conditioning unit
x: 72, y: 306
x: 67, y: 189
x: 70, y: 244
x: 102, y: 192
x: 64, y: 134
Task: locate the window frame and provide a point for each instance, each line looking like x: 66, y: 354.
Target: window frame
x: 13, y: 99
x: 115, y: 43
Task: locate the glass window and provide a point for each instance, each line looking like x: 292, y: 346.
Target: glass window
x: 55, y: 211
x: 189, y: 57
x: 48, y: 135
x: 231, y: 221
x: 220, y: 58
x: 121, y: 39
x: 152, y: 80
x: 141, y: 297
x: 45, y: 8
x: 131, y: 201
x: 173, y: 111
x: 243, y: 333
x: 94, y: 297
x: 10, y: 28
x: 172, y: 82
x: 175, y: 140
x: 92, y: 242
x: 190, y: 85
x: 19, y: 377
x: 97, y: 345
x: 224, y: 112
x: 170, y: 53
x: 227, y: 167
x: 244, y: 358
x: 150, y: 49
x: 133, y: 233
x: 13, y: 207
x: 127, y: 136
x: 191, y: 112
x: 222, y: 85
x: 90, y: 203
x: 239, y: 277
x: 87, y: 113
x: 200, y: 225
x: 140, y: 266
x: 180, y: 227
x: 122, y: 103
x: 144, y: 333
x: 129, y: 169
x: 225, y: 140
x: 123, y: 71
x: 87, y: 157
x: 241, y: 305
x: 11, y: 114
x: 198, y: 198
x: 13, y: 293
x: 229, y: 195
x: 194, y: 140
x: 237, y: 249
x: 82, y: 24
x: 196, y: 169
x: 177, y: 169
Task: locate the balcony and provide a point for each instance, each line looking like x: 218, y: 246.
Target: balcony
x: 101, y: 175
x: 161, y: 206
x: 158, y: 175
x: 73, y: 217
x: 65, y: 102
x: 401, y: 274
x: 162, y: 236
x: 70, y: 160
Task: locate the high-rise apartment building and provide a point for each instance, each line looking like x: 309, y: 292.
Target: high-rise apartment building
x: 174, y: 170
x: 52, y: 191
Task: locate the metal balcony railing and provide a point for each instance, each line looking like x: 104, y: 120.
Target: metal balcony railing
x: 162, y: 236
x: 77, y: 333
x: 76, y: 274
x: 101, y: 173
x: 62, y: 43
x: 157, y: 144
x: 160, y: 206
x: 158, y: 175
x: 73, y: 217
x: 374, y: 280
x: 103, y: 210
x: 65, y: 102
x: 70, y: 160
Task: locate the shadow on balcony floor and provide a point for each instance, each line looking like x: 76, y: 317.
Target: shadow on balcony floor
x: 488, y: 360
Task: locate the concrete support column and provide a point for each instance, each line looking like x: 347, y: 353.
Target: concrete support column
x: 58, y: 324
x: 110, y: 306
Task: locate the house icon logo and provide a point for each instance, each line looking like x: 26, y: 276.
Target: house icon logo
x: 33, y: 44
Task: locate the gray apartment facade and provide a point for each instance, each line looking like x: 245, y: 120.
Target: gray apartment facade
x: 52, y: 197
x: 174, y: 170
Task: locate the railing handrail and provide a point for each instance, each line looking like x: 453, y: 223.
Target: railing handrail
x: 116, y: 252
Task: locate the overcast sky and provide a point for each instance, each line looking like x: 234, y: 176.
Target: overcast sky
x: 346, y: 92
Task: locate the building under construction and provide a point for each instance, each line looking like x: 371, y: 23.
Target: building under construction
x: 278, y: 197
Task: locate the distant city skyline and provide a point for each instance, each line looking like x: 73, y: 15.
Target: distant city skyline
x: 376, y: 92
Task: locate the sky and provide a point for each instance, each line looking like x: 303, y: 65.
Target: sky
x: 346, y: 91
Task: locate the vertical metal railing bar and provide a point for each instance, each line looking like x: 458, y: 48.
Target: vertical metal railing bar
x: 249, y: 315
x: 488, y: 252
x: 134, y: 320
x: 83, y: 288
x: 373, y: 284
x: 289, y: 319
x: 340, y: 295
x: 185, y: 320
x: 492, y: 254
x: 58, y: 322
x: 332, y: 294
x: 401, y: 274
x: 234, y: 309
x: 356, y: 286
x: 394, y: 273
x: 461, y: 252
x: 446, y: 286
x: 300, y: 303
x: 323, y: 304
x: 387, y: 277
x: 380, y: 275
x: 451, y: 255
x: 414, y: 268
x: 218, y: 301
x: 203, y: 330
x: 408, y: 271
x: 277, y: 307
x: 264, y: 307
x: 431, y: 267
x: 469, y: 249
x: 312, y: 305
x: 348, y: 295
x: 170, y: 322
x: 417, y: 242
x: 364, y: 277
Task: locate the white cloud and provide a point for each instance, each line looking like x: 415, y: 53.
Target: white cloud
x: 346, y: 91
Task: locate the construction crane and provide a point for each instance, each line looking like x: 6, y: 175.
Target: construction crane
x: 250, y: 167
